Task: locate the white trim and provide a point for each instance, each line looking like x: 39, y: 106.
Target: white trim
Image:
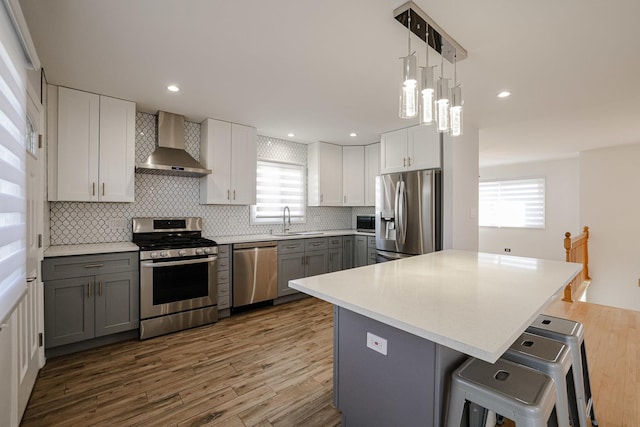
x: 22, y: 31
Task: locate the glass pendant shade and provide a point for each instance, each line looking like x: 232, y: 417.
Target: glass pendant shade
x: 456, y: 111
x: 442, y: 104
x: 428, y: 89
x: 409, y: 89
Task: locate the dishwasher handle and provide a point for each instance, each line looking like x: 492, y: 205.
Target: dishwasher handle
x: 251, y: 245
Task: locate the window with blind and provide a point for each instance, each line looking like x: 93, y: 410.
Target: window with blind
x: 512, y: 203
x: 12, y: 172
x: 279, y: 185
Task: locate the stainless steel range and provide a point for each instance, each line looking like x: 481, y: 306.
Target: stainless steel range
x: 178, y: 275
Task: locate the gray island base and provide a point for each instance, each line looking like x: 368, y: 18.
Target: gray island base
x: 406, y: 387
x: 402, y: 327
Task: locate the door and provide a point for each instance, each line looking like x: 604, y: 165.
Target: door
x: 360, y: 251
x: 117, y: 150
x: 116, y: 303
x: 29, y: 311
x: 290, y: 267
x: 347, y: 252
x: 243, y: 165
x: 78, y: 145
x: 317, y: 262
x: 353, y: 176
x: 335, y: 260
x: 417, y: 212
x: 69, y: 316
x: 393, y: 151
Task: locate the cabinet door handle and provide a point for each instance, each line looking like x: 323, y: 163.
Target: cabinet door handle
x: 301, y: 260
x: 93, y: 188
x: 88, y: 290
x: 103, y: 188
x: 408, y: 161
x: 100, y: 288
x: 93, y: 265
x: 228, y: 194
x: 321, y: 198
x: 345, y: 199
x: 234, y: 194
x: 330, y: 256
x: 404, y: 162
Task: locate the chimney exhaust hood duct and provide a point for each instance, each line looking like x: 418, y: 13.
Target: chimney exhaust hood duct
x: 170, y: 157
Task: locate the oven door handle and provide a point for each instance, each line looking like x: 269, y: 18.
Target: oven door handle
x: 172, y: 263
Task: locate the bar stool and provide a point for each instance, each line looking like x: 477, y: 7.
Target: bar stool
x: 571, y: 333
x: 554, y: 359
x: 524, y: 395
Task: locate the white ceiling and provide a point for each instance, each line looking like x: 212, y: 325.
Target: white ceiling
x: 323, y: 69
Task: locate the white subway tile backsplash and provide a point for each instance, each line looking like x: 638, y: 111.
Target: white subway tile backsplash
x: 164, y: 196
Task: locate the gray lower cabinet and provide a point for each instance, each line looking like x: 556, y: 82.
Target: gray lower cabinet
x: 224, y: 278
x: 90, y: 296
x: 316, y: 262
x: 371, y: 250
x: 335, y: 260
x: 290, y: 267
x: 347, y: 252
x: 360, y: 251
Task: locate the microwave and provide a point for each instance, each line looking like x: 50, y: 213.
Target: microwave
x: 366, y: 223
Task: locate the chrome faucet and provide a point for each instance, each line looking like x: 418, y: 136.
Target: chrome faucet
x: 284, y: 219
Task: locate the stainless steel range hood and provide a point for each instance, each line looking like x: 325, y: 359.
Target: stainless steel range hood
x: 170, y: 157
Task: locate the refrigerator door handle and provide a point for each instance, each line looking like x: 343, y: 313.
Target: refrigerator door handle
x: 402, y: 214
x: 396, y: 212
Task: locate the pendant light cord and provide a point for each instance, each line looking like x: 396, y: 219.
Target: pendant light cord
x: 409, y: 28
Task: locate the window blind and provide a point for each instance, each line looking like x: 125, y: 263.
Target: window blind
x: 279, y: 185
x: 12, y: 170
x: 512, y: 203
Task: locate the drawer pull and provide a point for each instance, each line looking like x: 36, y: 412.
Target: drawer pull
x: 316, y: 244
x: 93, y: 265
x: 292, y: 246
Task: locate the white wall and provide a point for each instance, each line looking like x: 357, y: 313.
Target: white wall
x: 610, y: 206
x: 460, y: 191
x: 562, y: 179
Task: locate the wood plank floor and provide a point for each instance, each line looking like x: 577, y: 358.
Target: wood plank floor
x: 268, y: 367
x: 273, y: 367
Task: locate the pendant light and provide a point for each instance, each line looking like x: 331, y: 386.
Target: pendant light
x: 456, y: 103
x: 428, y: 88
x: 442, y: 98
x: 409, y: 90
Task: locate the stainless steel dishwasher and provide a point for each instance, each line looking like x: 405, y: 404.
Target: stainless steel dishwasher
x: 255, y: 272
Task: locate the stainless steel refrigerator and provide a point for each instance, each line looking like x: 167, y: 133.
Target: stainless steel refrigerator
x: 408, y: 214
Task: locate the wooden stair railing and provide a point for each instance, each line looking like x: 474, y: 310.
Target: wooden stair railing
x: 577, y: 250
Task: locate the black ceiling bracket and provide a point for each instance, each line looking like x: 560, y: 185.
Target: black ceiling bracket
x: 439, y: 40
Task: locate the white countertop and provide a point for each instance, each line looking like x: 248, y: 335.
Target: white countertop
x: 102, y: 248
x: 475, y: 303
x: 227, y: 240
x: 90, y: 248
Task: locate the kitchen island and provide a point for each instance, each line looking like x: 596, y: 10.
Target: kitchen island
x: 401, y: 327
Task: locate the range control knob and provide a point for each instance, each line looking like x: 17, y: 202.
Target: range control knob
x: 154, y: 254
x: 182, y: 252
x: 199, y: 251
x: 207, y: 250
x: 163, y: 254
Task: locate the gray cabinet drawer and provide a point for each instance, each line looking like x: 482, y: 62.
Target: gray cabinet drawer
x: 223, y: 290
x: 223, y: 277
x: 224, y: 302
x: 371, y: 256
x: 290, y: 246
x: 223, y: 264
x: 315, y: 244
x: 223, y: 251
x: 88, y: 265
x: 335, y: 242
x: 371, y: 242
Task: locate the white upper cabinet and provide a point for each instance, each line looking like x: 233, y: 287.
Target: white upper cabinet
x: 324, y: 164
x: 229, y: 150
x: 413, y: 148
x: 371, y: 170
x: 92, y: 154
x: 353, y: 175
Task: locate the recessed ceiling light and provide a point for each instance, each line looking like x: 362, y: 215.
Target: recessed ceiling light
x: 352, y: 134
x: 504, y: 94
x: 290, y: 135
x: 173, y: 88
